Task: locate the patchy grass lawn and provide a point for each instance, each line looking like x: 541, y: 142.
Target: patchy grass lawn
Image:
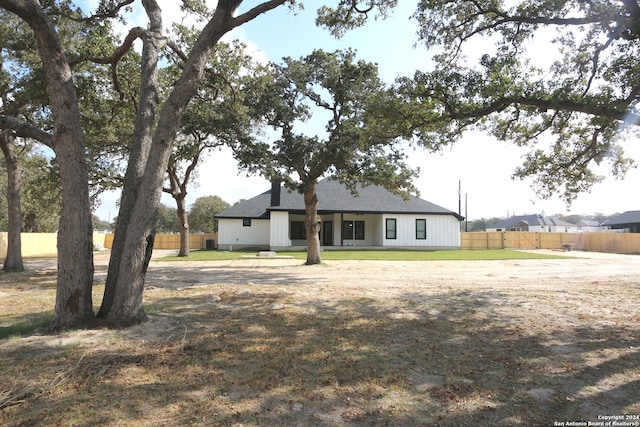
x: 346, y: 344
x: 388, y: 255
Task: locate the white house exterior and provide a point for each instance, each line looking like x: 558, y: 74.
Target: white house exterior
x: 534, y: 223
x: 274, y: 220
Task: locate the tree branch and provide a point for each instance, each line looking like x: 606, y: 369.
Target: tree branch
x: 26, y: 130
x: 256, y: 11
x: 100, y: 15
x: 499, y: 105
x: 114, y: 59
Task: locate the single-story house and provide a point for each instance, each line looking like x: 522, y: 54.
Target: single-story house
x: 629, y: 221
x: 534, y: 223
x: 274, y: 220
x: 588, y: 226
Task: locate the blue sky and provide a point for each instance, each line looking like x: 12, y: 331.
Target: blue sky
x: 483, y: 165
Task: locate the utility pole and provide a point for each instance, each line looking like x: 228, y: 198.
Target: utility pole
x: 466, y: 214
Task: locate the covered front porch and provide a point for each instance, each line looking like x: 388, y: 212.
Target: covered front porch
x: 340, y: 230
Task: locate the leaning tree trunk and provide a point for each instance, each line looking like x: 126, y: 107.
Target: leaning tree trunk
x: 312, y: 226
x: 183, y: 220
x: 75, y: 248
x: 13, y: 260
x: 138, y: 152
x: 179, y: 193
x: 126, y: 306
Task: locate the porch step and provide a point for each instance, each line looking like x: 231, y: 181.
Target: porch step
x: 267, y: 254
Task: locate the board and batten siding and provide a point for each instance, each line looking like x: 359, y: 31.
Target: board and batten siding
x: 233, y: 234
x: 443, y: 231
x: 279, y: 231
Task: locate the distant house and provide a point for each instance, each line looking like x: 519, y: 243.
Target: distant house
x: 534, y: 223
x: 376, y: 218
x: 628, y: 221
x: 588, y: 226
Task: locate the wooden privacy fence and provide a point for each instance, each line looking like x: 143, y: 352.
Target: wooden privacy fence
x: 40, y: 244
x: 172, y: 241
x: 624, y: 243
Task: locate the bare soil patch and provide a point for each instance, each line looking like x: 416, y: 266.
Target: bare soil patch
x: 273, y: 342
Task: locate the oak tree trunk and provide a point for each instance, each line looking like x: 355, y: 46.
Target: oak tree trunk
x: 134, y: 253
x: 13, y: 261
x: 183, y: 220
x: 73, y: 306
x: 138, y: 155
x: 312, y: 226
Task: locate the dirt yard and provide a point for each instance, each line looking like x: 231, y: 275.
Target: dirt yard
x: 347, y: 343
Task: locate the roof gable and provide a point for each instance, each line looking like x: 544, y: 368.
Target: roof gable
x: 335, y: 197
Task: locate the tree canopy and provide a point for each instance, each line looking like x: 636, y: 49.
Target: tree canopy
x: 352, y: 147
x: 573, y: 115
x: 203, y: 212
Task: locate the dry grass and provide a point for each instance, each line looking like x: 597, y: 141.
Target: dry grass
x: 248, y: 344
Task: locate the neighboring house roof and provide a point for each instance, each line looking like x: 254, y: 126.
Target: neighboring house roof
x: 588, y: 223
x: 626, y: 218
x: 335, y: 197
x: 532, y: 221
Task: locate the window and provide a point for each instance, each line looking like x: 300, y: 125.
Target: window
x: 391, y: 228
x: 347, y: 230
x: 246, y: 222
x: 359, y: 230
x: 298, y: 230
x: 421, y: 229
x: 353, y: 230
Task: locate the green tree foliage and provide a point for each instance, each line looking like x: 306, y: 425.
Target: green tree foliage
x: 106, y: 109
x: 167, y: 221
x: 355, y: 147
x: 203, y: 212
x: 481, y: 224
x: 214, y: 117
x: 100, y: 224
x: 573, y: 115
x: 40, y: 192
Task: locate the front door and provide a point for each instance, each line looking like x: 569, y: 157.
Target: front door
x: 327, y: 233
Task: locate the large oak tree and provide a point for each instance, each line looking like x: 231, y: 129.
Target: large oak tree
x: 352, y: 148
x: 149, y: 151
x: 154, y: 133
x: 574, y: 113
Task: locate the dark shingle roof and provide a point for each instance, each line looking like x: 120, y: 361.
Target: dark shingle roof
x: 626, y: 218
x: 335, y: 197
x: 588, y: 223
x: 532, y: 220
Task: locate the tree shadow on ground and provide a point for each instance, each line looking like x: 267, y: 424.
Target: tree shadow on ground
x: 267, y: 357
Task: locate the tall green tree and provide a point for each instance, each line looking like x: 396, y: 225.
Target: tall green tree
x: 167, y: 221
x: 214, y: 117
x: 203, y: 212
x: 154, y: 135
x: 26, y: 113
x: 573, y: 115
x: 154, y: 132
x: 75, y: 258
x: 355, y: 148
